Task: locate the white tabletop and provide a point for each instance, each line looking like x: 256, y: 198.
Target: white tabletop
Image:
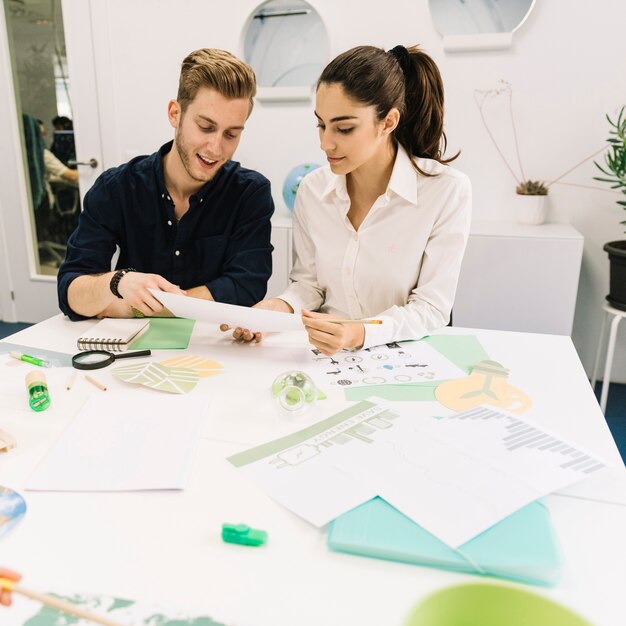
x: 166, y: 546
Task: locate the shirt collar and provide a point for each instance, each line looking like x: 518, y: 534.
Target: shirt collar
x: 403, y: 181
x: 336, y: 184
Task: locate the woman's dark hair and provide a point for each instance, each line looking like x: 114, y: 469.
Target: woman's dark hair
x: 407, y: 79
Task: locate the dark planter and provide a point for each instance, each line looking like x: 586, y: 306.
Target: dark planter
x: 617, y: 289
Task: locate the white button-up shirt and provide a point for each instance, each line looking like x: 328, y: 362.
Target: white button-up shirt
x: 403, y: 263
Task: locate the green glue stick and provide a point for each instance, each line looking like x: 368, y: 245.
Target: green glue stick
x: 38, y: 396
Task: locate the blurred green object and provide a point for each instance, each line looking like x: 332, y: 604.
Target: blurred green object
x: 293, y: 391
x: 490, y: 605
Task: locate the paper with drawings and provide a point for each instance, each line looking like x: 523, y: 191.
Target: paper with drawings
x: 256, y: 320
x: 455, y: 476
x: 125, y: 441
x: 393, y: 363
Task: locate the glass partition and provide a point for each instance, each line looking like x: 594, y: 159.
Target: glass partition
x: 41, y: 81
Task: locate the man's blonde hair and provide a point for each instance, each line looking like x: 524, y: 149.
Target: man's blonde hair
x: 219, y: 70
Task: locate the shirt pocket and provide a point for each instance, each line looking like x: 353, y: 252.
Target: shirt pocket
x: 208, y: 258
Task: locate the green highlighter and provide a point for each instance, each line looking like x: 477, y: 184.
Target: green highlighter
x: 243, y: 535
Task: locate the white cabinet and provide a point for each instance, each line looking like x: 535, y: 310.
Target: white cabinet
x: 513, y: 277
x: 517, y: 277
x: 281, y: 257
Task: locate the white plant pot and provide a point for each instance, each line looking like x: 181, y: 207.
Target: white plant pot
x: 530, y: 209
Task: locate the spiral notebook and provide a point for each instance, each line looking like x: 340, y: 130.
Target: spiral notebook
x: 114, y: 335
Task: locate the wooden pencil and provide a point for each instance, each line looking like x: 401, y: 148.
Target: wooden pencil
x: 56, y: 603
x: 94, y: 382
x: 352, y: 321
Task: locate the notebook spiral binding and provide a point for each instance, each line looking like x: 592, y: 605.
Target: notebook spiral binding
x: 109, y: 345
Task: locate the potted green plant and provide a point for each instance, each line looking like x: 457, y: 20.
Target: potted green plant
x: 614, y: 171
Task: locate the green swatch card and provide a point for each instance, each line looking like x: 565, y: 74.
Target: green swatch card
x: 165, y: 333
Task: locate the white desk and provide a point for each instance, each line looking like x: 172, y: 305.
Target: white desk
x: 166, y: 546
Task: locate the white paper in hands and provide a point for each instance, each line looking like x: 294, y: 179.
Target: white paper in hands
x: 256, y: 320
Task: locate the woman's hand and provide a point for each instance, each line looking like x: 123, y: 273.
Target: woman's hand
x: 331, y: 337
x: 244, y: 334
x: 5, y: 594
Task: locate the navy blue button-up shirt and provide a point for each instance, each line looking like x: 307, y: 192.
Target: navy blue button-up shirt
x: 223, y: 241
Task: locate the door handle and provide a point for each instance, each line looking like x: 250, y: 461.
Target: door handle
x: 92, y: 162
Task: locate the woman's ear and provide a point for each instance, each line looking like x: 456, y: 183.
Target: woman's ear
x: 391, y: 121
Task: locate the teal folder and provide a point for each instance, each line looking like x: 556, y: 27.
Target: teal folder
x: 521, y: 547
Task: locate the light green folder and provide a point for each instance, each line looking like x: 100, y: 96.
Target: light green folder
x: 165, y: 333
x: 463, y: 350
x: 521, y: 547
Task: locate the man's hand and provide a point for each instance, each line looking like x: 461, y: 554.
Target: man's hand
x: 133, y: 287
x: 330, y: 337
x: 246, y: 335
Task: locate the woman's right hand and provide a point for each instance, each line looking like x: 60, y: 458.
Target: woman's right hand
x: 244, y: 334
x: 5, y: 594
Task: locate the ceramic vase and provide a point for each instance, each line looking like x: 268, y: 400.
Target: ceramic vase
x: 530, y: 209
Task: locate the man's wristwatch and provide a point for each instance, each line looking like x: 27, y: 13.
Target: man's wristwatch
x: 115, y: 280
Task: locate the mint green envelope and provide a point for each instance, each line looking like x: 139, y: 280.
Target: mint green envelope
x: 521, y: 547
x: 463, y: 350
x: 165, y: 333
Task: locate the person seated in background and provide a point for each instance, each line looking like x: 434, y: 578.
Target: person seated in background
x: 5, y: 594
x: 381, y: 231
x: 55, y: 171
x: 63, y: 146
x: 187, y: 219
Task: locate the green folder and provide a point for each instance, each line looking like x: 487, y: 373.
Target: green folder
x: 165, y: 333
x: 521, y: 547
x: 463, y: 350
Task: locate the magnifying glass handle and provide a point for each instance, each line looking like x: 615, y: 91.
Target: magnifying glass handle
x: 131, y: 354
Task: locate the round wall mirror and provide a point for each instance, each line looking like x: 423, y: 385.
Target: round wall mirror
x: 286, y: 43
x: 478, y: 23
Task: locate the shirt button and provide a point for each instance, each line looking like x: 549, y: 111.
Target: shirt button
x: 177, y: 253
x: 356, y: 237
x: 162, y: 195
x: 169, y: 222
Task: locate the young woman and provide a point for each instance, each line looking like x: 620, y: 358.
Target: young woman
x: 382, y: 230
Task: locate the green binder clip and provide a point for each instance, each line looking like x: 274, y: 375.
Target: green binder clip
x: 243, y: 534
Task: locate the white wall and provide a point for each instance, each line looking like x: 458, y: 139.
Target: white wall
x: 566, y: 66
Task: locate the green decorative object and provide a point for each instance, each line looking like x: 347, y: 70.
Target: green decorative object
x: 490, y: 605
x: 159, y: 377
x: 293, y: 391
x: 614, y: 170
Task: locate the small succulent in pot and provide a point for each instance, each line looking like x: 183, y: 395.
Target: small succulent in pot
x: 532, y: 188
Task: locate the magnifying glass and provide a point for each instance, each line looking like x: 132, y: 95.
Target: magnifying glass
x: 95, y: 359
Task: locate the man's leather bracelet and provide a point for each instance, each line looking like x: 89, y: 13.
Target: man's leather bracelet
x: 115, y: 280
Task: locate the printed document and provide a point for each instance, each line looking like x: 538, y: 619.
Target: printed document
x: 456, y: 476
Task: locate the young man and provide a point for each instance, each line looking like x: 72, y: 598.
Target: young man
x: 186, y: 217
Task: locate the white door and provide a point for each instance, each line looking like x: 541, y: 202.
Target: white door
x: 48, y: 68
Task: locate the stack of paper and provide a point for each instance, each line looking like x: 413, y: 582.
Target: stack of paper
x: 125, y: 441
x: 455, y: 476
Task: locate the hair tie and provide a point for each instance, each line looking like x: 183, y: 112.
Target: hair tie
x: 402, y: 56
